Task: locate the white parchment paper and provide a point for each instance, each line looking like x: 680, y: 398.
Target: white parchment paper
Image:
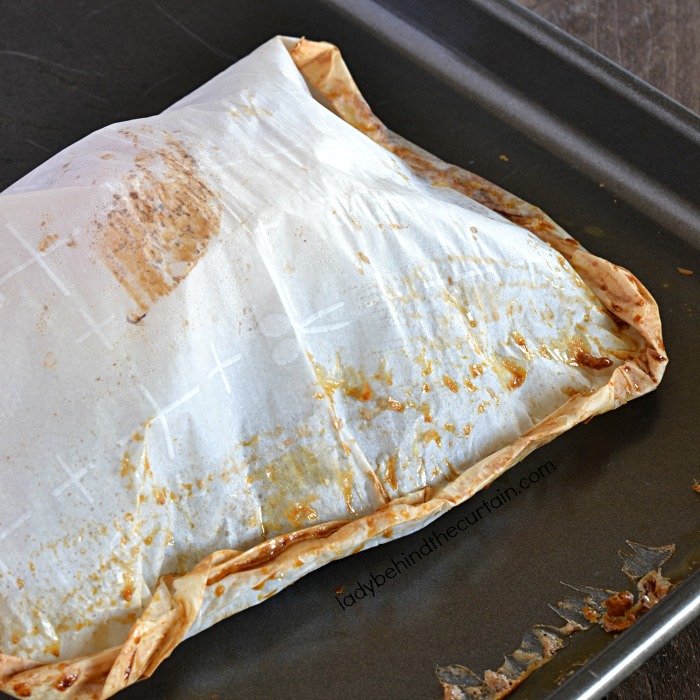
x: 240, y: 318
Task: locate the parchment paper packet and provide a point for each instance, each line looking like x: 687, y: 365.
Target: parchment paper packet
x: 257, y: 333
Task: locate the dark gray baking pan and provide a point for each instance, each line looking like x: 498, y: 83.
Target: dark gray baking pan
x: 488, y: 86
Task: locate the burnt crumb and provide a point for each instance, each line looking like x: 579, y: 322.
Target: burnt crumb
x: 621, y: 610
x: 591, y: 607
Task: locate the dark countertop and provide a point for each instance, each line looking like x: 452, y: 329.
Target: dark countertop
x: 658, y: 41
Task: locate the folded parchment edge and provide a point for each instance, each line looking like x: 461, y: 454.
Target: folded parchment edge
x: 279, y: 562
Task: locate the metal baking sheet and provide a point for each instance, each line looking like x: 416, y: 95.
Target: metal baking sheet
x: 488, y: 86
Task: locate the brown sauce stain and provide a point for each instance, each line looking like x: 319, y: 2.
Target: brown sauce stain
x: 261, y: 585
x: 54, y: 649
x: 273, y: 548
x: 432, y: 436
x: 518, y: 372
x: 329, y: 382
x: 390, y: 473
x: 470, y: 385
x: 450, y: 383
x: 22, y: 690
x: 219, y: 591
x: 394, y: 405
x: 453, y: 472
x: 42, y: 319
x: 359, y: 393
x: 66, y: 682
x: 425, y: 363
x: 477, y: 370
x: 288, y: 482
x: 346, y: 484
x: 462, y: 308
x: 363, y: 257
x: 522, y: 344
x: 250, y: 109
x: 50, y: 360
x: 383, y: 373
x: 585, y: 359
x: 47, y: 241
x: 424, y: 409
x: 153, y: 236
x: 301, y: 513
x: 128, y: 590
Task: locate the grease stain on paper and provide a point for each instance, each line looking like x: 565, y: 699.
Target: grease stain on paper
x: 160, y: 223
